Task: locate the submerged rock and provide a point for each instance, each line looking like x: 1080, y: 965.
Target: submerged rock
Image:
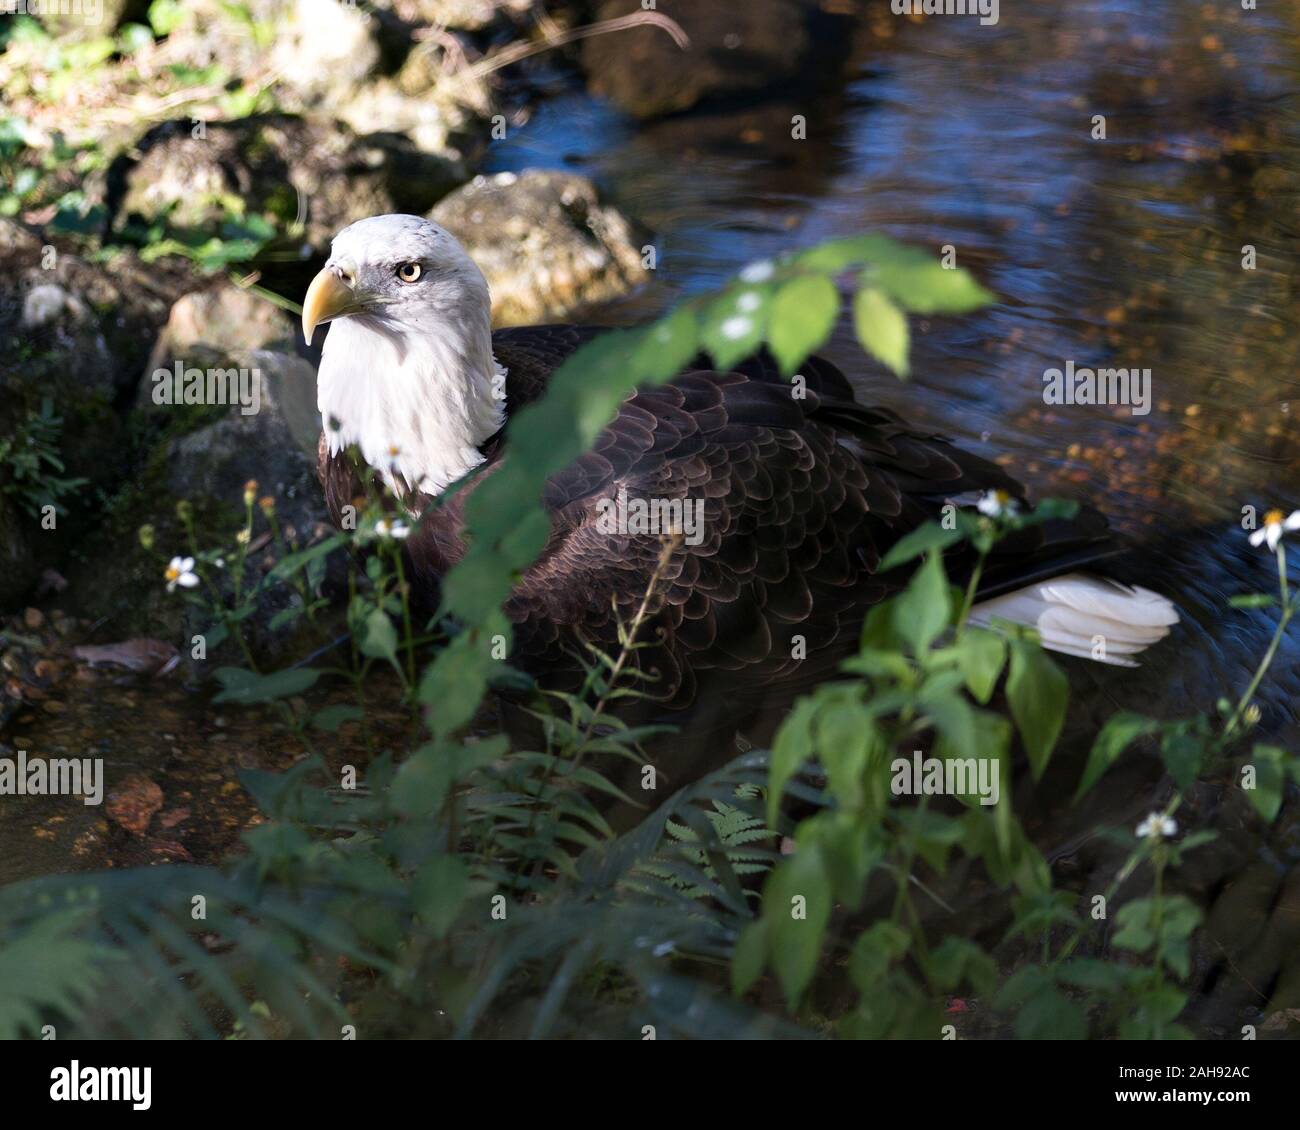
x: 545, y: 241
x: 734, y: 49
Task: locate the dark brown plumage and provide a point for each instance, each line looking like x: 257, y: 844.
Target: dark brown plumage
x: 803, y: 497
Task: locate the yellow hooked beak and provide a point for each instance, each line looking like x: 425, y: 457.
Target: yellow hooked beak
x: 329, y: 296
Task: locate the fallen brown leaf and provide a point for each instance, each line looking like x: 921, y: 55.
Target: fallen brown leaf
x: 133, y: 802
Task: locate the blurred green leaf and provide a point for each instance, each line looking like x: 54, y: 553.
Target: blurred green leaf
x: 1037, y: 692
x: 882, y: 329
x: 1120, y: 731
x: 802, y: 316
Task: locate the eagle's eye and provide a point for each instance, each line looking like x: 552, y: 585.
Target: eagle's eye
x: 409, y: 272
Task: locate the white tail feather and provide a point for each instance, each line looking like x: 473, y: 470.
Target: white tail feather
x: 1078, y: 614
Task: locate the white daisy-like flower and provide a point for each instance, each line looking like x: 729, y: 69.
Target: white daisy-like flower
x: 996, y: 504
x: 1275, y: 525
x: 181, y: 572
x: 1157, y: 826
x: 397, y: 529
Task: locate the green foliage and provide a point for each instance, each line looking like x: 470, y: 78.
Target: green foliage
x: 31, y: 470
x: 468, y: 887
x: 923, y: 677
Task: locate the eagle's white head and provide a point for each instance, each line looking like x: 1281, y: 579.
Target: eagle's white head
x: 407, y: 372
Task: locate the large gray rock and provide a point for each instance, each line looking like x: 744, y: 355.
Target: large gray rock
x: 216, y: 320
x: 206, y: 467
x: 72, y: 327
x: 276, y: 445
x: 545, y: 241
x: 274, y: 165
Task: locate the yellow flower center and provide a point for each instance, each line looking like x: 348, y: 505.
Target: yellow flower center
x: 1274, y: 518
x: 172, y: 572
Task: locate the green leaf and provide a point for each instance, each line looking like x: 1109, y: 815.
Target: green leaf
x: 954, y: 719
x: 50, y: 968
x: 286, y: 567
x: 332, y: 717
x: 1171, y: 920
x: 875, y: 950
x: 955, y: 960
x: 246, y: 687
x: 1120, y: 731
x: 734, y: 326
x: 918, y: 541
x: 1050, y: 1015
x: 165, y: 16
x: 844, y: 739
x: 438, y: 892
x: 878, y: 631
x: 378, y: 636
x: 749, y: 956
x: 1183, y: 752
x: 928, y: 287
x: 791, y: 749
x: 882, y: 329
x: 453, y: 684
x: 849, y: 853
x: 1037, y: 692
x: 923, y: 609
x: 1270, y: 775
x: 1095, y: 975
x: 981, y: 655
x: 1253, y: 600
x: 803, y: 315
x: 797, y: 906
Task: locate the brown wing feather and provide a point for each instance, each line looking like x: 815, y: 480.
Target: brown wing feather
x: 802, y: 498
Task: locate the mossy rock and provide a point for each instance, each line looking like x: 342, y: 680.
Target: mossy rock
x: 266, y: 165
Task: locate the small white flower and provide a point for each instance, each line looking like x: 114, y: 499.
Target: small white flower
x: 181, y: 572
x: 1157, y: 827
x: 748, y: 302
x: 996, y: 503
x: 397, y: 529
x: 1275, y: 525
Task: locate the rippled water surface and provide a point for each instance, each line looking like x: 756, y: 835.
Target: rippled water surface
x: 1124, y: 252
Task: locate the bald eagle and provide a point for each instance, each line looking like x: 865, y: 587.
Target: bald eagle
x: 799, y: 499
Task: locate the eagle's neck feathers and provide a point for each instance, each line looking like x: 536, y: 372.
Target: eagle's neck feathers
x: 417, y: 403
